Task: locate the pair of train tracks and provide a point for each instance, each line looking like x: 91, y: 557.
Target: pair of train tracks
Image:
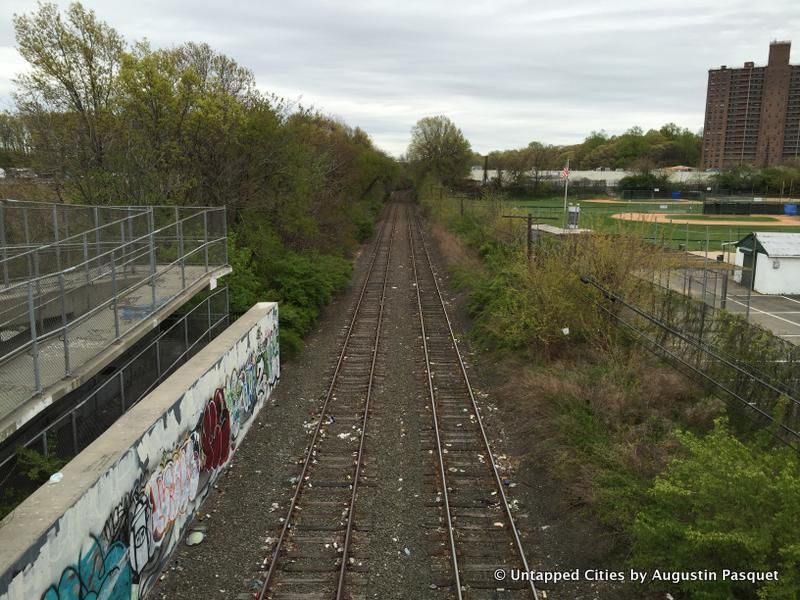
x: 317, y: 553
x: 313, y: 552
x: 481, y: 536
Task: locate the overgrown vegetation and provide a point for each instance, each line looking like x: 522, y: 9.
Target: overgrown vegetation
x: 725, y: 505
x: 31, y: 470
x: 632, y: 438
x: 106, y: 121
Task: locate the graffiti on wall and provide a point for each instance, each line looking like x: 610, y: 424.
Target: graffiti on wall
x: 101, y: 571
x: 172, y: 486
x: 145, y: 525
x: 216, y: 431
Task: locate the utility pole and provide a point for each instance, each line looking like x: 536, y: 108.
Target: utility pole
x: 530, y: 241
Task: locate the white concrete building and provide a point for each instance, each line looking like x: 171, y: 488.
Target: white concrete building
x: 770, y: 262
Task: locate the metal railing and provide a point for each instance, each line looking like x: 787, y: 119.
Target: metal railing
x: 76, y: 428
x: 61, y: 311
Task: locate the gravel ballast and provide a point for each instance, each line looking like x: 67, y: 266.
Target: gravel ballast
x: 240, y: 514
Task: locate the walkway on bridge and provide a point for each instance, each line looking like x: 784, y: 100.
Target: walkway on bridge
x: 82, y: 284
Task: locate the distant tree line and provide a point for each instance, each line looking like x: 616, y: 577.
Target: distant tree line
x: 113, y: 122
x: 779, y: 181
x: 668, y: 146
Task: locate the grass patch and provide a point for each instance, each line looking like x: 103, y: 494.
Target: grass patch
x: 598, y: 217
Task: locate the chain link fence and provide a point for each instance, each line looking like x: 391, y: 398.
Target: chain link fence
x: 67, y: 296
x: 147, y: 366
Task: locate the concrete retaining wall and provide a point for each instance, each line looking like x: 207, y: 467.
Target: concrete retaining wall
x: 107, y: 529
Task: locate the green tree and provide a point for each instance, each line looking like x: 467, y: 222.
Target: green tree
x: 438, y: 147
x: 187, y: 125
x: 725, y: 505
x: 15, y: 144
x: 71, y: 87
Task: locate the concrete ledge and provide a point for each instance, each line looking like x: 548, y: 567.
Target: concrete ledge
x: 124, y: 502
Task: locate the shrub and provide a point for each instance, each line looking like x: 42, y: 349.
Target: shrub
x: 725, y: 505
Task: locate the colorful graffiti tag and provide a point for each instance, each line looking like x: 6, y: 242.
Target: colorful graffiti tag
x: 216, y: 433
x: 172, y: 486
x: 140, y: 531
x: 101, y: 572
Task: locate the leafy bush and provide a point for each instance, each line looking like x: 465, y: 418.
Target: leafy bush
x: 303, y: 284
x: 725, y: 505
x: 31, y: 470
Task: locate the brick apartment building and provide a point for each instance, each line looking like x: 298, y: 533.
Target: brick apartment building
x: 753, y: 113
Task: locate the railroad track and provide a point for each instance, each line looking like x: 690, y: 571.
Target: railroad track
x: 474, y: 533
x: 317, y: 554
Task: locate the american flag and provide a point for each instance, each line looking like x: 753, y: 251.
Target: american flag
x: 565, y: 172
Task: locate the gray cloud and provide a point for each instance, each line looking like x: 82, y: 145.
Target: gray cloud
x: 507, y: 72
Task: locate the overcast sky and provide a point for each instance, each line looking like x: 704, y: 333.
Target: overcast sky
x: 506, y: 71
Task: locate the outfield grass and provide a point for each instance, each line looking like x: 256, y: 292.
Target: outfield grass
x: 691, y: 236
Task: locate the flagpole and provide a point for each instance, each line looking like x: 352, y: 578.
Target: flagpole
x: 566, y: 187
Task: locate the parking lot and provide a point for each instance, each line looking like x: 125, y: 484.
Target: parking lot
x: 779, y: 314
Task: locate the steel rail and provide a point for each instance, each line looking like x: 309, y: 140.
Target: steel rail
x: 329, y: 394
x: 359, y: 456
x: 490, y: 454
x: 432, y: 395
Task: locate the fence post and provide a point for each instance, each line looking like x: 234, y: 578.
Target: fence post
x: 122, y: 390
x: 86, y: 259
x: 35, y: 347
x: 227, y: 307
x: 687, y: 236
x: 63, y: 293
x: 131, y: 238
x: 208, y: 329
x: 123, y: 247
x: 225, y: 232
x: 750, y: 287
x: 703, y: 301
x: 74, y: 421
x: 55, y: 236
x: 38, y: 283
x: 205, y: 237
x: 724, y: 295
x: 3, y: 243
x: 152, y: 260
x: 186, y: 337
x: 528, y: 236
x: 96, y: 232
x: 181, y: 251
x: 114, y: 295
x: 27, y: 241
